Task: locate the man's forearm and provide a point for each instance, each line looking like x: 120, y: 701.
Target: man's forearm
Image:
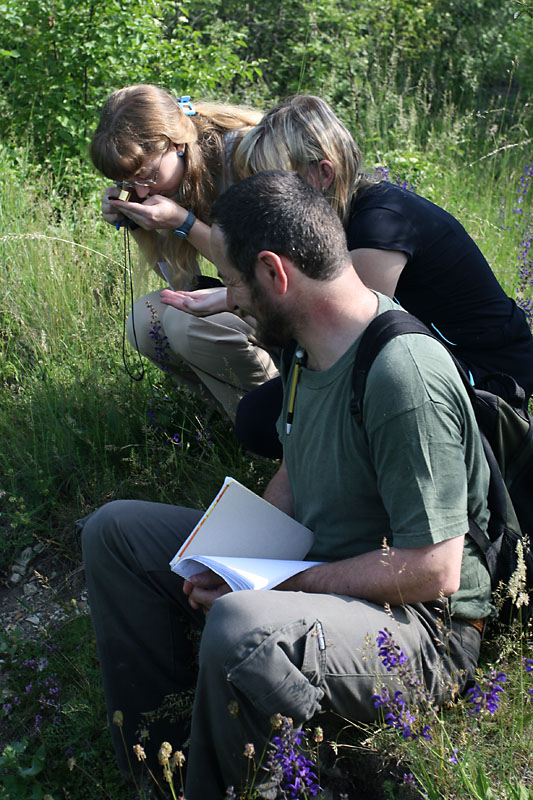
x: 278, y: 492
x: 392, y: 575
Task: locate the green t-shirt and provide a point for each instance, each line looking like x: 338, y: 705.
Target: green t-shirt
x: 411, y: 475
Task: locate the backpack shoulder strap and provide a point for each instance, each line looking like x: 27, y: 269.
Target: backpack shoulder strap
x: 381, y: 330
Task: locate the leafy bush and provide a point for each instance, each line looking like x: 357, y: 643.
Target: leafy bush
x: 60, y: 61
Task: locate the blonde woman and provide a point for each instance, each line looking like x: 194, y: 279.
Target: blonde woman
x: 175, y: 158
x: 401, y: 245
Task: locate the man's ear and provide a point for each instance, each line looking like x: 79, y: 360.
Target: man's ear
x: 271, y: 272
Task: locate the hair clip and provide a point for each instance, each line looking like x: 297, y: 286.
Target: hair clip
x: 186, y: 106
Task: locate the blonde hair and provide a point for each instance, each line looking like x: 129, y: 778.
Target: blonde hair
x: 138, y: 122
x: 297, y: 133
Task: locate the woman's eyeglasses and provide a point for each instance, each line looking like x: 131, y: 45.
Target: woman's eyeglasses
x: 147, y: 181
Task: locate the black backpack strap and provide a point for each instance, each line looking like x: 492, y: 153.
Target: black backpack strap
x: 480, y: 538
x: 504, y: 386
x: 381, y: 330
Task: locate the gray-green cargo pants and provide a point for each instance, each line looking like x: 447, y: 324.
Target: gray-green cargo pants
x: 274, y: 652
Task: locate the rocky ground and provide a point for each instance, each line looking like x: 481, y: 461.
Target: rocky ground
x: 36, y: 594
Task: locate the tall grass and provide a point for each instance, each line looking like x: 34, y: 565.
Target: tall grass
x: 75, y: 431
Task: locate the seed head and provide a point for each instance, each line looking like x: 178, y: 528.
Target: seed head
x: 178, y: 759
x: 249, y: 750
x: 165, y: 751
x: 139, y: 752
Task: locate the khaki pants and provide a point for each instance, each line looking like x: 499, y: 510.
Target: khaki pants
x: 273, y: 652
x: 219, y: 349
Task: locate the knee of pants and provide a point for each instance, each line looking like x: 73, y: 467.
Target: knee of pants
x: 276, y: 664
x: 188, y: 335
x: 139, y: 327
x: 181, y: 332
x: 99, y: 529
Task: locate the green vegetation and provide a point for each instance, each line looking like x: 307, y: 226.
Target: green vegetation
x: 434, y: 91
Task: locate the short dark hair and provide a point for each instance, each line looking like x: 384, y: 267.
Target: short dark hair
x: 277, y: 210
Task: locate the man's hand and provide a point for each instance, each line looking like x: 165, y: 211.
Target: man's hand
x: 201, y: 303
x: 204, y: 588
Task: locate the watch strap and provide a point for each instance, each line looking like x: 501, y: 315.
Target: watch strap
x: 183, y: 231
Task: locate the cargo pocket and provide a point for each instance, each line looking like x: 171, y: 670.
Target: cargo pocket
x: 284, y: 673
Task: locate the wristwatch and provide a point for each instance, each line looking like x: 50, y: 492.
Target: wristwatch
x: 183, y: 231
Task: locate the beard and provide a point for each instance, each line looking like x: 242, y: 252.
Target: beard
x: 273, y: 329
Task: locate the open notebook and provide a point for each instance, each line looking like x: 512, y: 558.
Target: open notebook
x: 246, y: 540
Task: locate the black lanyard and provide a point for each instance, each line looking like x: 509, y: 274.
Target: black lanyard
x: 128, y: 274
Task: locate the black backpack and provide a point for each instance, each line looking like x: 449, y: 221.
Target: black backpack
x: 506, y: 432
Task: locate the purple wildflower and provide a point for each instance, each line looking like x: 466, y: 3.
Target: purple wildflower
x: 489, y: 699
x: 390, y: 653
x: 453, y: 757
x: 160, y: 341
x: 409, y: 779
x: 394, y: 709
x: 528, y: 666
x: 403, y: 184
x: 397, y: 715
x: 298, y: 776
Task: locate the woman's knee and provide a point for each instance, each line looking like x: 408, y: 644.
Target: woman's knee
x: 188, y: 335
x: 144, y: 325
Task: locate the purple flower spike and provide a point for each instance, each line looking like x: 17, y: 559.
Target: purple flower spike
x: 390, y: 653
x: 489, y: 699
x: 298, y: 776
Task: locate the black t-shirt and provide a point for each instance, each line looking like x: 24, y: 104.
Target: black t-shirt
x: 446, y: 281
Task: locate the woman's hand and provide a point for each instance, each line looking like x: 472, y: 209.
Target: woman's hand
x: 204, y: 588
x: 154, y: 213
x: 201, y: 303
x: 110, y: 211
